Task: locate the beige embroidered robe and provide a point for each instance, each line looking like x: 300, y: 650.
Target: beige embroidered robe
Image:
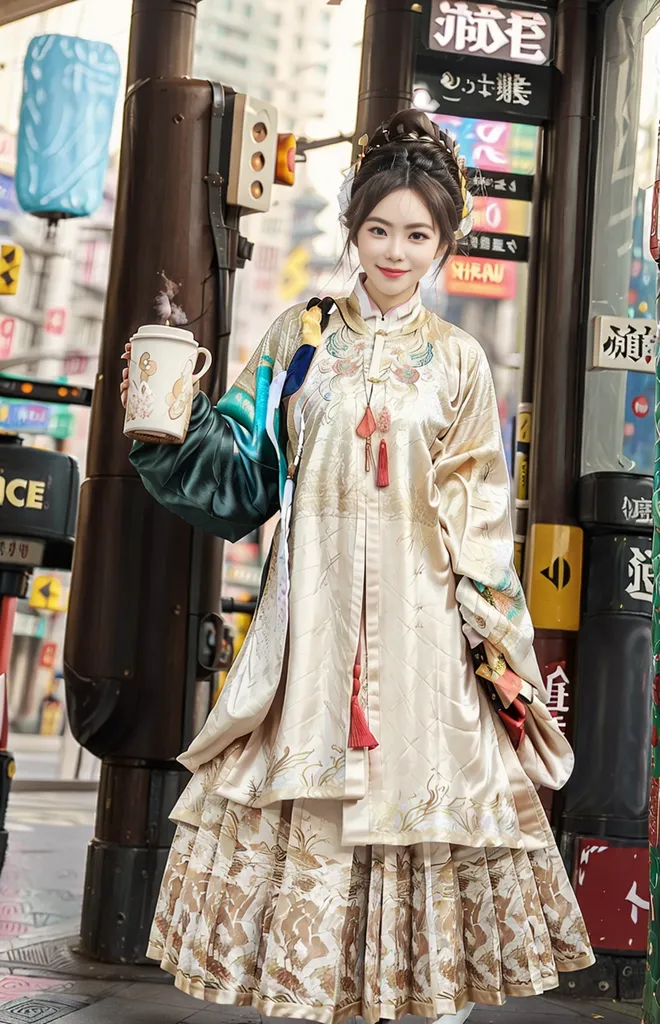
x: 429, y: 559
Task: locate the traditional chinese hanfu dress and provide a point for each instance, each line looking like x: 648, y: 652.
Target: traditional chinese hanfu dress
x: 311, y: 877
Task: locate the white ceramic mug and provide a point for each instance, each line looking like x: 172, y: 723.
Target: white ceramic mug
x: 161, y: 376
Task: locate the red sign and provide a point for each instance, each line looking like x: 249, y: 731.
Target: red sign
x: 611, y: 882
x: 7, y: 334
x: 488, y: 279
x: 640, y: 406
x: 48, y: 654
x: 75, y: 365
x: 55, y: 320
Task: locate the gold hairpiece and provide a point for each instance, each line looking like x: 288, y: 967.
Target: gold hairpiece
x: 362, y: 143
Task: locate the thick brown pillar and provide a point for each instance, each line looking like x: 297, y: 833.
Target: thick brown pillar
x: 162, y: 39
x: 143, y: 579
x: 388, y: 61
x: 553, y: 562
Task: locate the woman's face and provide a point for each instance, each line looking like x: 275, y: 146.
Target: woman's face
x: 397, y: 244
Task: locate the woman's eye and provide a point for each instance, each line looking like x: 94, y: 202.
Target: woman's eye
x: 419, y: 236
x: 377, y: 231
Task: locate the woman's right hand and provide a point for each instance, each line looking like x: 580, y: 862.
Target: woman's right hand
x: 123, y: 387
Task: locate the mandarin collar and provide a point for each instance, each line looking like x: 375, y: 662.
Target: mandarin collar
x: 403, y: 319
x: 369, y: 310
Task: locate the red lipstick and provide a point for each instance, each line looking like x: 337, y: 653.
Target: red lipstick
x: 392, y: 273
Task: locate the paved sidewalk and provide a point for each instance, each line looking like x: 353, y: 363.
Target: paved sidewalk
x: 42, y: 980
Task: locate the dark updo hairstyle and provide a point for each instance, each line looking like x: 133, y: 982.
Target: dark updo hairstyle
x: 410, y: 151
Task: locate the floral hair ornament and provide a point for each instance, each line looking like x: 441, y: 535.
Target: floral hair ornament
x: 344, y: 195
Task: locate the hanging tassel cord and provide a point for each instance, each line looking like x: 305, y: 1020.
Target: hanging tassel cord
x: 383, y: 477
x: 359, y: 735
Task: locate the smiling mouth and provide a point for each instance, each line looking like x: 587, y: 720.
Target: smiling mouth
x: 392, y: 273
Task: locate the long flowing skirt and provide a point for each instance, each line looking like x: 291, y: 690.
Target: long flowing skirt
x: 265, y: 908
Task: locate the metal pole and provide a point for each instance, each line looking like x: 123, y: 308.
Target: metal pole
x: 388, y: 61
x: 553, y: 563
x: 525, y: 413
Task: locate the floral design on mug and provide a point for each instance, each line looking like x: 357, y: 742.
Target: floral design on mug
x: 180, y: 397
x: 141, y: 401
x: 148, y: 367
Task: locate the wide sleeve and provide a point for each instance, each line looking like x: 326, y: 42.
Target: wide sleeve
x: 225, y: 477
x: 474, y: 499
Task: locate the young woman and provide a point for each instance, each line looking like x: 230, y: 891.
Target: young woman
x: 362, y: 833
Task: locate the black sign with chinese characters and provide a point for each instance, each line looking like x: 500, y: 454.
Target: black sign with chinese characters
x: 496, y: 246
x: 495, y: 185
x: 473, y: 87
x: 489, y: 30
x: 620, y: 575
x: 616, y: 501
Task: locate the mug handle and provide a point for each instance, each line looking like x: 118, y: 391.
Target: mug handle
x: 208, y: 359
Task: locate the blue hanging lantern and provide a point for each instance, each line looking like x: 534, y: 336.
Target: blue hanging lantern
x: 70, y: 88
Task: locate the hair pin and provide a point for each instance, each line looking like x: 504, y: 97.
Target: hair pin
x: 362, y: 143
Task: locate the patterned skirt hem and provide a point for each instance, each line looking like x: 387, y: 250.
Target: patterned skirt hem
x: 268, y: 1007
x: 266, y: 908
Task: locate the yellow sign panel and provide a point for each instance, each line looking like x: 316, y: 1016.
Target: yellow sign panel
x: 554, y: 576
x: 524, y: 424
x: 11, y: 257
x: 522, y: 480
x: 295, y: 274
x: 46, y: 593
x: 518, y: 548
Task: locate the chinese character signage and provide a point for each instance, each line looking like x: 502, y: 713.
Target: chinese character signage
x: 499, y: 247
x: 637, y: 510
x: 501, y: 186
x: 468, y: 87
x: 640, y: 574
x: 486, y: 279
x: 486, y: 30
x: 624, y: 344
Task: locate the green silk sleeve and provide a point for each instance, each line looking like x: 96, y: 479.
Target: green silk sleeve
x: 210, y: 480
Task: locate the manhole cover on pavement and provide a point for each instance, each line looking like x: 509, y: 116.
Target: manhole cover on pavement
x: 40, y: 1009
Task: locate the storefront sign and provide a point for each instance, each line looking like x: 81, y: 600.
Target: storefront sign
x: 624, y: 344
x: 486, y: 279
x: 486, y: 30
x: 477, y: 88
x: 34, y: 418
x: 497, y: 146
x: 499, y: 216
x: 501, y: 186
x: 611, y: 882
x: 500, y: 247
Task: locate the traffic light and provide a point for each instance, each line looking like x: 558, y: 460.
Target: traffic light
x: 44, y: 391
x: 285, y: 166
x: 253, y: 154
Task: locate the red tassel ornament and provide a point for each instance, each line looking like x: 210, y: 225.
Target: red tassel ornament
x: 367, y: 424
x: 359, y: 734
x: 383, y: 477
